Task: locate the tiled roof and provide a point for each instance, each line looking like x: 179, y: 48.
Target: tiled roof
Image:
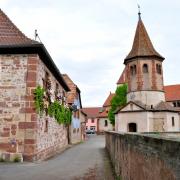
x: 108, y: 100
x: 172, y: 92
x: 74, y: 90
x: 92, y: 112
x: 164, y: 106
x: 10, y: 34
x: 13, y: 41
x: 103, y: 114
x: 122, y: 78
x: 142, y: 45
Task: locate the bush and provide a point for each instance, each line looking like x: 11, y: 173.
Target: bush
x: 118, y: 100
x: 17, y: 159
x: 2, y: 160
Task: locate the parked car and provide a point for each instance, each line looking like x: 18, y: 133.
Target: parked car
x: 90, y: 131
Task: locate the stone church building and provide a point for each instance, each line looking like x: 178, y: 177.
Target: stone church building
x: 146, y: 109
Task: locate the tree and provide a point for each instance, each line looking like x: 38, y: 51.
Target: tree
x: 118, y: 100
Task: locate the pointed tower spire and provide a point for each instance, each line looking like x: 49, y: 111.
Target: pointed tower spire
x: 142, y: 45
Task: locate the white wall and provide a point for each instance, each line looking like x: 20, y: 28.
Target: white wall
x: 123, y: 119
x: 102, y: 126
x: 146, y: 97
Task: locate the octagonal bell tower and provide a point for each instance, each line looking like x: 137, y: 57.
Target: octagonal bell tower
x: 144, y: 69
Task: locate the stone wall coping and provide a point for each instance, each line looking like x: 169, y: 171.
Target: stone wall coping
x: 154, y: 136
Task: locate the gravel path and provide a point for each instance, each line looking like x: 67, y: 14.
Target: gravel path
x: 86, y: 161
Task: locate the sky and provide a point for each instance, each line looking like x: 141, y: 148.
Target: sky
x: 89, y: 39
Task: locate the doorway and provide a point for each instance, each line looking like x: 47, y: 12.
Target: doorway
x: 132, y: 127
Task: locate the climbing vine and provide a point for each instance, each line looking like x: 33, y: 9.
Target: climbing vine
x: 63, y: 115
x: 38, y: 96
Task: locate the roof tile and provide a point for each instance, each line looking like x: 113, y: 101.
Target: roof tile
x: 10, y: 34
x: 172, y: 92
x: 142, y: 45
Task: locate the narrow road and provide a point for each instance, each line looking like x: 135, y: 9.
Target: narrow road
x: 86, y: 161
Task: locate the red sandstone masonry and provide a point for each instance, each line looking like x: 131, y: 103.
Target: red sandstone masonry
x: 8, y: 147
x: 27, y: 125
x: 27, y: 110
x: 5, y: 134
x: 33, y: 117
x: 32, y: 61
x: 31, y: 84
x: 154, y: 87
x: 30, y: 141
x: 31, y: 76
x: 32, y: 67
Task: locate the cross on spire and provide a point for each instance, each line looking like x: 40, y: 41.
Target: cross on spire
x: 139, y: 11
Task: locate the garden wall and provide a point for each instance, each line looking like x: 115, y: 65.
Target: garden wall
x: 144, y: 156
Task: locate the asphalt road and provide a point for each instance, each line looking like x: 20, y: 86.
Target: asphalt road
x: 86, y: 161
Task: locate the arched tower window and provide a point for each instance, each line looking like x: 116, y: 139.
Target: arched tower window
x: 105, y: 123
x: 131, y: 70
x: 145, y: 68
x: 134, y: 69
x: 158, y: 68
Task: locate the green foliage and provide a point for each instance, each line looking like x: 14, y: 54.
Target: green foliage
x: 117, y: 101
x: 2, y: 160
x: 17, y: 159
x: 38, y: 96
x: 62, y: 114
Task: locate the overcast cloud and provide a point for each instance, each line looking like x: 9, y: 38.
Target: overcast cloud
x: 89, y: 39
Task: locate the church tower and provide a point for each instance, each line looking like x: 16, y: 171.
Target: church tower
x: 144, y: 70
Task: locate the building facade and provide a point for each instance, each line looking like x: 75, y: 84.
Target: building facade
x: 77, y: 129
x: 146, y: 109
x: 26, y: 64
x: 92, y: 118
x: 104, y: 123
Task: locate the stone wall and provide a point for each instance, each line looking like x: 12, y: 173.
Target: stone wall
x: 16, y: 102
x: 51, y: 137
x: 22, y: 131
x: 144, y: 156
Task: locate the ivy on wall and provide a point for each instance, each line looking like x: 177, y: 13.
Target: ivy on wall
x: 63, y: 115
x: 38, y: 95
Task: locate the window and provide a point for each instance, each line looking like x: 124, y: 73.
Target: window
x: 131, y: 106
x: 77, y: 114
x: 132, y: 127
x: 92, y: 120
x: 56, y: 91
x: 145, y: 68
x: 172, y: 121
x: 46, y: 126
x: 131, y: 70
x: 178, y: 103
x: 158, y: 68
x: 92, y: 128
x: 134, y: 68
x: 74, y: 114
x: 105, y: 123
